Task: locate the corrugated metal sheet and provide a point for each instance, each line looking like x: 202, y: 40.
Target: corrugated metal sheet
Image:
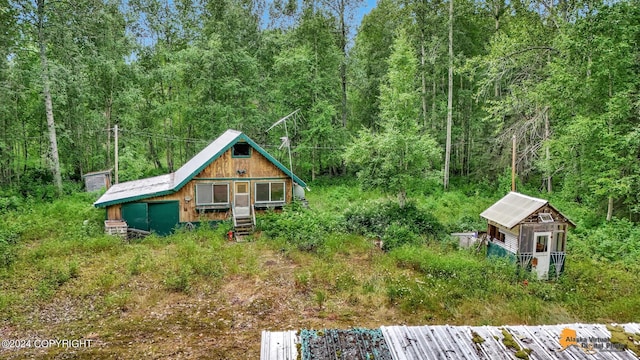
x: 137, y: 188
x: 512, y: 209
x: 456, y: 342
x: 279, y: 345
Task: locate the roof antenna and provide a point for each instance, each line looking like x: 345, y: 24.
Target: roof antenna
x: 286, y: 141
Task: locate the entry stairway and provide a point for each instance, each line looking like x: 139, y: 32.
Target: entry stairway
x: 243, y: 224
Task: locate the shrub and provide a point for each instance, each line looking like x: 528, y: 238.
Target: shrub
x: 9, y: 201
x: 397, y: 235
x: 7, y: 255
x: 374, y: 217
x: 179, y: 281
x: 301, y: 227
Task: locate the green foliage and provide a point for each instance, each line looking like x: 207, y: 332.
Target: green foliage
x: 320, y: 297
x: 56, y: 275
x: 8, y: 254
x: 390, y: 159
x: 134, y: 266
x: 10, y: 200
x: 374, y: 218
x: 179, y: 280
x: 618, y: 240
x: 396, y: 235
x: 304, y: 228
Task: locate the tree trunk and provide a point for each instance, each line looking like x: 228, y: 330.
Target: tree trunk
x: 343, y: 64
x: 313, y: 163
x: 610, y: 208
x: 402, y: 198
x: 433, y: 103
x: 447, y: 154
x: 424, y: 79
x: 48, y: 103
x: 107, y: 115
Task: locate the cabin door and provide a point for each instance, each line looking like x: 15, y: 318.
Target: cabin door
x: 242, y: 201
x: 542, y: 254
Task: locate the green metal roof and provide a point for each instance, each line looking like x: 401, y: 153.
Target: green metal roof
x: 170, y: 183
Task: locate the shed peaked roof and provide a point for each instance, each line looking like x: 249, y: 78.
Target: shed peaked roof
x: 512, y: 209
x: 169, y: 183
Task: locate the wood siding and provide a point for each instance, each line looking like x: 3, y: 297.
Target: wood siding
x: 224, y: 169
x: 114, y: 212
x: 510, y: 241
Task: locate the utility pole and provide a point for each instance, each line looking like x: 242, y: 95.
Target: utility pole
x: 115, y: 151
x: 513, y: 164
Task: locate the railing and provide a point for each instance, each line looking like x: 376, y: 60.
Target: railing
x: 253, y: 215
x: 557, y: 261
x: 233, y: 213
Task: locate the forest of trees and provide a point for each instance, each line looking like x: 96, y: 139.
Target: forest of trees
x: 562, y: 76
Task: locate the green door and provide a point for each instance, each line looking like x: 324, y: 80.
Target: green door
x: 163, y: 217
x: 136, y: 215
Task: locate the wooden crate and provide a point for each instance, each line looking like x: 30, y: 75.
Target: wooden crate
x: 116, y: 227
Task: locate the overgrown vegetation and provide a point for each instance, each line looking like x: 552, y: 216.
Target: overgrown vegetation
x: 306, y: 267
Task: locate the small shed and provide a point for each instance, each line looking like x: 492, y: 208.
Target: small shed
x: 98, y: 180
x: 233, y: 177
x: 531, y: 230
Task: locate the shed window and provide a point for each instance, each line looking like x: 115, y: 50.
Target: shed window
x: 545, y: 217
x: 212, y: 194
x: 241, y: 150
x: 270, y: 192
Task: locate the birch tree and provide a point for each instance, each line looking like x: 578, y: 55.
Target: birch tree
x: 400, y: 152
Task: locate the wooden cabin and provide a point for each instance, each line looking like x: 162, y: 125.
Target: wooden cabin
x: 531, y: 230
x: 233, y: 177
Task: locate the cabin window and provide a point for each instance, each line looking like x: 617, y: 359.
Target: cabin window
x: 212, y: 194
x: 241, y: 150
x: 542, y: 243
x: 270, y: 192
x: 500, y: 237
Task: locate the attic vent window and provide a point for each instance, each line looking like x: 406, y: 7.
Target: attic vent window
x: 545, y: 217
x: 241, y: 150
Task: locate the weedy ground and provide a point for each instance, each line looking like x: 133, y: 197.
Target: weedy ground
x: 195, y: 295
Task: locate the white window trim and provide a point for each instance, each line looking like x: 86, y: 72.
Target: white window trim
x: 284, y: 192
x: 546, y: 234
x: 211, y: 185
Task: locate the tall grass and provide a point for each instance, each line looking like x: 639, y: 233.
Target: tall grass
x: 324, y: 257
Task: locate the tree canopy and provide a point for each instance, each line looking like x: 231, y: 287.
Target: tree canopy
x: 561, y: 76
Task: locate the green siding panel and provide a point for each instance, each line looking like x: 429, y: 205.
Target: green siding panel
x: 163, y: 217
x: 136, y: 215
x: 499, y: 251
